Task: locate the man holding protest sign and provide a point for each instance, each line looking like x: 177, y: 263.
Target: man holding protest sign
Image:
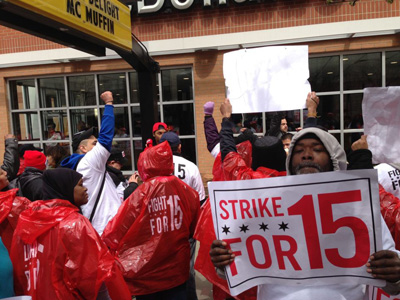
x: 315, y: 151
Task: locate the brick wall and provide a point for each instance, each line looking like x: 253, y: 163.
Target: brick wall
x: 199, y: 21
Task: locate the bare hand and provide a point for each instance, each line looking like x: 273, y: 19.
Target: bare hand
x: 9, y: 136
x: 360, y: 143
x: 312, y: 102
x: 220, y: 255
x: 134, y: 178
x: 384, y: 264
x: 107, y: 97
x: 226, y: 109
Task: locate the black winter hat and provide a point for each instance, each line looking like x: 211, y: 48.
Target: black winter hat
x: 268, y: 152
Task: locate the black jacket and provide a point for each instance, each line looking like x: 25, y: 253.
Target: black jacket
x: 11, y: 158
x: 119, y: 178
x: 31, y: 184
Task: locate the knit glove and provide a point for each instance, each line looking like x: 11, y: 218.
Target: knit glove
x: 209, y: 108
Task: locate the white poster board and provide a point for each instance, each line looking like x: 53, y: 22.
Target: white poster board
x: 379, y: 294
x: 267, y: 79
x: 381, y: 113
x: 305, y: 229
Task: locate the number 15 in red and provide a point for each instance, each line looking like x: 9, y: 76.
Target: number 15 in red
x: 305, y: 208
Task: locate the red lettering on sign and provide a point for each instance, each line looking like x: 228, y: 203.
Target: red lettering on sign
x: 233, y: 202
x: 252, y: 254
x: 226, y: 216
x: 305, y: 208
x: 263, y: 207
x: 237, y: 253
x: 276, y: 206
x: 244, y: 208
x: 359, y: 228
x: 280, y: 253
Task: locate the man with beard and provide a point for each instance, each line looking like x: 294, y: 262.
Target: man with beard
x: 314, y: 150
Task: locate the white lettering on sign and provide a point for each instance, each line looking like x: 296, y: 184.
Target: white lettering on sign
x: 299, y: 229
x: 165, y: 214
x: 30, y: 254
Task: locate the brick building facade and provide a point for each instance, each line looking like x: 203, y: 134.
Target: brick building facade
x: 189, y: 46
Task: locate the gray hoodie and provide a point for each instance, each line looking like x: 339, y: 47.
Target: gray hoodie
x: 335, y: 150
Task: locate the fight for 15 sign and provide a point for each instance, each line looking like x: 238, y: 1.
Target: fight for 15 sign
x: 306, y: 229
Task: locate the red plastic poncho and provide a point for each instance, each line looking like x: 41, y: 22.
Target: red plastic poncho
x: 10, y: 208
x: 390, y: 210
x: 236, y: 166
x: 150, y: 233
x: 57, y: 254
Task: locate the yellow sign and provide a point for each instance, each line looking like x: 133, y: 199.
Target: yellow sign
x: 107, y: 20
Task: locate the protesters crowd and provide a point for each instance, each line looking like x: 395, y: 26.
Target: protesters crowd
x: 73, y: 227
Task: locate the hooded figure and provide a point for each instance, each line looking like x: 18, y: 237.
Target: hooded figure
x: 52, y: 242
x: 60, y: 184
x: 150, y: 233
x: 335, y: 150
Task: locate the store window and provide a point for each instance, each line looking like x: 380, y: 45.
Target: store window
x: 50, y: 110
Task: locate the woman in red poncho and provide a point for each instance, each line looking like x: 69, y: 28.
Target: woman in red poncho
x: 55, y: 251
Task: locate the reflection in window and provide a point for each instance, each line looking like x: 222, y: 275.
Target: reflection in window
x: 329, y: 112
x: 292, y: 119
x: 26, y: 126
x: 82, y: 119
x: 55, y: 125
x: 362, y: 70
x: 180, y: 118
x: 177, y: 84
x: 121, y: 121
x: 189, y: 149
x: 23, y: 94
x: 324, y: 74
x: 134, y: 87
x: 393, y: 68
x: 137, y: 149
x: 349, y: 139
x: 52, y: 92
x: 81, y: 90
x: 116, y: 83
x: 136, y: 121
x: 353, y: 111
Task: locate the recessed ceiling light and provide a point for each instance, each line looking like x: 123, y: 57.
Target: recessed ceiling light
x: 370, y: 74
x: 393, y: 62
x: 329, y: 73
x: 185, y: 78
x: 346, y: 58
x: 122, y: 76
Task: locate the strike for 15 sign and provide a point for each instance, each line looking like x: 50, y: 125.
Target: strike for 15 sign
x: 305, y: 229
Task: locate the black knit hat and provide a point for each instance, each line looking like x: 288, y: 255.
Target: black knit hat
x: 268, y: 152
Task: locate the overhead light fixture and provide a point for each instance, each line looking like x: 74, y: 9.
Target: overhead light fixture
x: 63, y: 29
x: 370, y: 74
x: 185, y: 78
x: 82, y: 90
x: 179, y: 90
x: 122, y: 76
x: 345, y: 58
x: 134, y: 90
x: 329, y: 73
x: 100, y: 84
x: 393, y: 62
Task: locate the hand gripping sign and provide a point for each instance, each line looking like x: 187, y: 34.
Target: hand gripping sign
x: 305, y: 229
